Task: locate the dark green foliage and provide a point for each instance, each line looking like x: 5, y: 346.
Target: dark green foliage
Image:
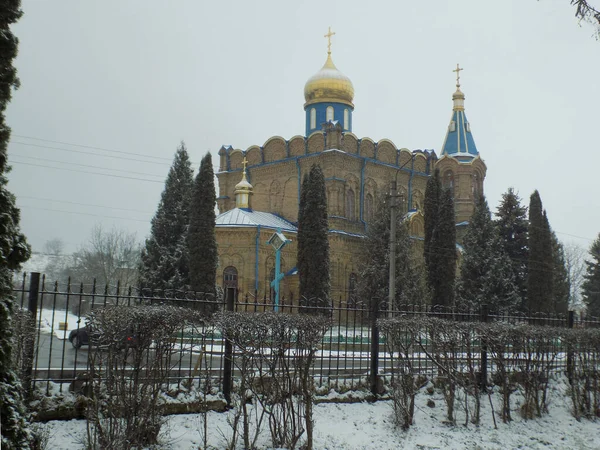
x: 511, y: 222
x: 540, y: 267
x: 165, y: 256
x: 591, y: 284
x: 313, y: 245
x: 440, y: 242
x: 202, y: 245
x: 486, y: 273
x: 14, y: 249
x: 373, y: 282
x: 561, y: 288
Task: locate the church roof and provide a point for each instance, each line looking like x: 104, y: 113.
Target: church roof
x: 241, y: 217
x: 459, y: 141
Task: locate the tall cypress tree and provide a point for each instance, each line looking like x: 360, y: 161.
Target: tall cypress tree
x: 313, y: 244
x: 540, y: 263
x: 14, y: 249
x: 511, y: 222
x: 561, y: 288
x: 431, y: 206
x: 164, y: 257
x: 591, y: 284
x: 486, y: 273
x: 440, y: 241
x: 201, y: 241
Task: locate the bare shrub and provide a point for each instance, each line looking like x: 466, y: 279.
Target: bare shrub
x: 401, y: 337
x: 130, y: 358
x: 23, y: 337
x: 584, y: 373
x: 275, y: 353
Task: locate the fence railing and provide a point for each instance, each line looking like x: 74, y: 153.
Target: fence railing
x: 353, y: 352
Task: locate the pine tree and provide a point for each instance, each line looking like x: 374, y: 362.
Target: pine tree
x: 373, y: 282
x: 591, y: 284
x: 313, y: 244
x: 201, y: 241
x: 440, y: 241
x: 14, y: 249
x: 512, y: 226
x: 486, y: 272
x: 431, y: 206
x: 540, y: 264
x: 164, y: 257
x: 561, y: 288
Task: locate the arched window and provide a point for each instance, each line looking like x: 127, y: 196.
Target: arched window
x: 329, y: 114
x: 346, y: 119
x: 352, y: 281
x: 230, y: 277
x: 350, y: 204
x: 477, y: 186
x: 368, y: 207
x: 313, y: 118
x: 448, y: 181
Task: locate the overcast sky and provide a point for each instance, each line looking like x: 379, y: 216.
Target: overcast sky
x: 137, y: 77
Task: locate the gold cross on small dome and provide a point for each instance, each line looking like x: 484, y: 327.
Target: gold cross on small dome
x: 244, y: 164
x: 457, y: 70
x: 328, y: 36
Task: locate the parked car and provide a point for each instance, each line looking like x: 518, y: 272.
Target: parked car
x: 81, y: 336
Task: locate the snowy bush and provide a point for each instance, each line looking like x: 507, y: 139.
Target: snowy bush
x: 274, y: 355
x: 130, y: 358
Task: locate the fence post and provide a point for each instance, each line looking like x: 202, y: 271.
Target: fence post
x: 228, y: 354
x: 484, y: 355
x: 32, y: 307
x: 374, y: 346
x: 570, y: 359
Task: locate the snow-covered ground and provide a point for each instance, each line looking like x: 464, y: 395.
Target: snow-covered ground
x: 49, y: 322
x: 370, y: 426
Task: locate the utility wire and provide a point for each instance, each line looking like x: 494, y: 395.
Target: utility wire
x: 82, y: 204
x: 90, y: 147
x: 88, y: 172
x: 83, y: 165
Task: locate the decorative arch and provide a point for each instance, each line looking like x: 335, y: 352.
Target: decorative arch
x: 448, y: 180
x: 254, y: 155
x: 369, y: 207
x: 274, y: 149
x: 329, y: 114
x: 417, y: 200
x: 386, y: 151
x: 296, y: 146
x: 230, y: 277
x: 275, y: 197
x: 350, y: 210
x: 235, y: 159
x: 350, y: 143
x: 367, y: 148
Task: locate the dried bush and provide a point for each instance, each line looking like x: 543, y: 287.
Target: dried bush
x: 130, y: 357
x: 275, y: 353
x: 401, y: 337
x: 584, y: 371
x: 23, y: 337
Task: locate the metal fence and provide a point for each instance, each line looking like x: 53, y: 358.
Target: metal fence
x: 353, y: 353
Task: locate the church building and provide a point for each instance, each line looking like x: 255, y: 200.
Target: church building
x: 259, y: 188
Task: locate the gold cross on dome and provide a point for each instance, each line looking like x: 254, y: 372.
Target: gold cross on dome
x: 244, y: 164
x: 328, y: 36
x: 457, y: 70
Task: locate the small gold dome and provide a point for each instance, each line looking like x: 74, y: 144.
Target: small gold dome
x: 329, y: 85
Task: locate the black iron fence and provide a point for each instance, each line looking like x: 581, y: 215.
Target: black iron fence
x: 353, y: 352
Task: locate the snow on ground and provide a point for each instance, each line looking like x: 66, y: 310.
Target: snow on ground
x: 370, y: 426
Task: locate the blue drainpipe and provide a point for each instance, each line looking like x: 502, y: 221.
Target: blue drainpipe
x: 256, y: 259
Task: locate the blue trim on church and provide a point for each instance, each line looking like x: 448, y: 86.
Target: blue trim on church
x: 321, y: 116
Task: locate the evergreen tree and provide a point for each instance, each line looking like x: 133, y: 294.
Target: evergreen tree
x: 373, y: 282
x: 440, y: 241
x: 14, y: 249
x: 431, y: 206
x: 486, y: 272
x: 540, y: 264
x: 313, y: 244
x: 165, y: 257
x: 591, y: 283
x: 561, y: 288
x: 202, y: 245
x: 511, y: 222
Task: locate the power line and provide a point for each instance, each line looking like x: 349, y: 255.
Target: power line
x: 83, y: 165
x: 82, y: 204
x: 90, y: 147
x: 84, y: 214
x: 88, y: 172
x: 87, y: 153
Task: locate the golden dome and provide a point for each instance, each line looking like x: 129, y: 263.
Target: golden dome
x: 329, y: 85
